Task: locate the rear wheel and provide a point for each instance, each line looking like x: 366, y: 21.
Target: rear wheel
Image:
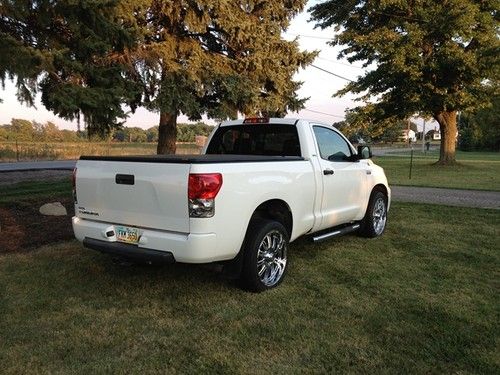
x: 265, y: 255
x: 373, y: 224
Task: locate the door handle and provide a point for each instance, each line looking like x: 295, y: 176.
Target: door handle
x: 327, y: 172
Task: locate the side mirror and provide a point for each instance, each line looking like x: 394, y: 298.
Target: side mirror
x: 364, y: 152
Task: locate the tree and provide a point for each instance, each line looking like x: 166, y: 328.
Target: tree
x: 359, y: 123
x: 152, y: 134
x: 4, y: 134
x: 481, y: 130
x: 218, y: 58
x: 432, y: 57
x: 59, y: 48
x: 51, y: 133
x: 190, y: 57
x: 22, y: 130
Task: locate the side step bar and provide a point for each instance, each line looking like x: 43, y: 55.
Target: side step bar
x: 336, y: 233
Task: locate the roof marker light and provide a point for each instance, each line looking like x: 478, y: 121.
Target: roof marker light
x: 256, y: 120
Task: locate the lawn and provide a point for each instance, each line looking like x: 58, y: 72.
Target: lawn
x: 30, y: 190
x: 476, y: 170
x: 421, y: 299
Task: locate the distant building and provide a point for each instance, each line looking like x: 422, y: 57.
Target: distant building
x: 433, y: 134
x: 408, y: 135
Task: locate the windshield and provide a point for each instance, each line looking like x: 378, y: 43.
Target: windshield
x: 256, y: 139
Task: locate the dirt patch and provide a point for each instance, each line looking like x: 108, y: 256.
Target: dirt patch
x: 23, y: 228
x: 9, y: 178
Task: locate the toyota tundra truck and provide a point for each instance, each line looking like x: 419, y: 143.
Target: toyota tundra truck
x: 259, y: 184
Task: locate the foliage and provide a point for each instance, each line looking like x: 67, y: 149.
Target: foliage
x: 188, y: 132
x: 364, y: 123
x: 431, y: 57
x: 93, y: 57
x: 481, y: 130
x: 58, y: 48
x: 26, y: 131
x: 218, y: 58
x: 22, y: 130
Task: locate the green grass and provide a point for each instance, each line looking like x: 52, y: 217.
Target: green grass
x: 421, y: 299
x: 460, y: 155
x: 31, y: 190
x: 477, y: 170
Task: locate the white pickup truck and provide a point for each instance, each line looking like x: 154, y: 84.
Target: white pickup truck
x: 259, y: 184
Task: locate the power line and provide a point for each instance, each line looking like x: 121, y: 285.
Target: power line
x: 339, y: 62
x: 333, y: 74
x: 310, y: 36
x: 322, y: 113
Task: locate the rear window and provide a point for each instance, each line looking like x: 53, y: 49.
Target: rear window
x: 256, y: 139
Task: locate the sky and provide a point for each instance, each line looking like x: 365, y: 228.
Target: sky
x: 318, y: 85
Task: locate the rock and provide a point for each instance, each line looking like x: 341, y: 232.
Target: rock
x: 53, y: 209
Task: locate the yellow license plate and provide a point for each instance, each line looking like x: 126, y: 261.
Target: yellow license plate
x: 127, y: 234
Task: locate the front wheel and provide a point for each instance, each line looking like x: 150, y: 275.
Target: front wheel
x: 373, y: 224
x: 265, y: 255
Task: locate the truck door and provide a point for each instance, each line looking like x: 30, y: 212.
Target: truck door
x: 344, y: 181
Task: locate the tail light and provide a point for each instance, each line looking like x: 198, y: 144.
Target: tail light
x: 73, y: 182
x: 256, y: 120
x: 202, y: 190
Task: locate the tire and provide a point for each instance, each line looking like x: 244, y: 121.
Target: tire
x: 375, y: 220
x: 265, y: 255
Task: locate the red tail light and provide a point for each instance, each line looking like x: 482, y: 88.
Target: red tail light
x: 204, y: 185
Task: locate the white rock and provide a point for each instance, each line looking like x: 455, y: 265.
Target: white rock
x: 53, y: 209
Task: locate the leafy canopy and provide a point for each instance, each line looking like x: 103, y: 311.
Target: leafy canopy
x: 430, y: 56
x: 218, y: 58
x: 96, y: 58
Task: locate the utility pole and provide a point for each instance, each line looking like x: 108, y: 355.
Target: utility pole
x: 423, y: 139
x: 408, y: 133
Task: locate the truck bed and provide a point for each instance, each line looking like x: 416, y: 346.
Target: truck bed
x: 194, y: 159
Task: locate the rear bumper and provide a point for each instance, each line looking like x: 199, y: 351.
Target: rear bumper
x: 184, y: 248
x: 129, y: 251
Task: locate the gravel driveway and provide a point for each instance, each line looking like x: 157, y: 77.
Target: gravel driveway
x: 449, y: 197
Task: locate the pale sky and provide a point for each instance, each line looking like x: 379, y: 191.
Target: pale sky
x: 318, y: 85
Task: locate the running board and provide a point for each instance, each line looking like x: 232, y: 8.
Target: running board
x: 336, y: 233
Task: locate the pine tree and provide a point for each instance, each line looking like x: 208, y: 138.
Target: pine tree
x: 431, y: 57
x: 193, y: 57
x: 218, y: 58
x: 60, y: 48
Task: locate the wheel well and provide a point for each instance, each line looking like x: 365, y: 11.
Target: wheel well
x: 277, y: 210
x: 382, y: 188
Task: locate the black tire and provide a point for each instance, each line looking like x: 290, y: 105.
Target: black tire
x: 375, y: 220
x: 259, y: 264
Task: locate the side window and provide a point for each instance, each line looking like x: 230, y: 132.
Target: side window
x: 331, y: 145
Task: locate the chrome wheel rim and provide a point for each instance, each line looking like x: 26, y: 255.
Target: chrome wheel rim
x: 271, y: 258
x: 379, y: 215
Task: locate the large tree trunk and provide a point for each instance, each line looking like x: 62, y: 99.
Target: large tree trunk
x: 167, y: 133
x: 448, y: 128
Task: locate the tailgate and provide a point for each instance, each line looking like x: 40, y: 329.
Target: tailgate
x: 147, y: 195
